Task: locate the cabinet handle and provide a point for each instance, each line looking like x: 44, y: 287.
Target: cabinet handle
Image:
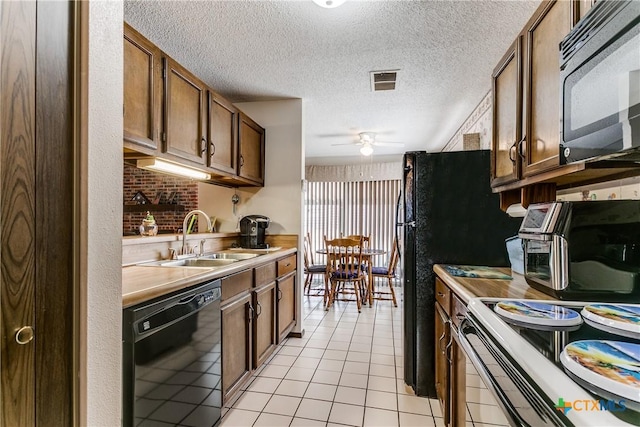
x: 522, y: 147
x: 444, y: 334
x: 447, y: 352
x: 241, y: 160
x: 259, y: 312
x: 440, y: 294
x: 512, y: 152
x: 279, y: 294
x: 212, y: 148
x: 251, y: 312
x: 24, y: 335
x: 203, y: 145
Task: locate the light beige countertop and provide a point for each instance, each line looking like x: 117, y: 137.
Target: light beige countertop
x: 141, y: 283
x: 468, y: 287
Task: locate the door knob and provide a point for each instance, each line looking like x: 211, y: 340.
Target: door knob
x: 24, y: 335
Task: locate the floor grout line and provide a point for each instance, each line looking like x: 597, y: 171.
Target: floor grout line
x: 375, y: 328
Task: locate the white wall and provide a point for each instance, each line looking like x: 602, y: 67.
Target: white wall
x: 102, y: 220
x: 479, y: 121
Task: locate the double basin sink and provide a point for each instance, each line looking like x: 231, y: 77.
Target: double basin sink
x: 211, y: 260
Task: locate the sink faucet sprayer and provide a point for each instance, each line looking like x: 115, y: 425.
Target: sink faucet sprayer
x: 184, y: 226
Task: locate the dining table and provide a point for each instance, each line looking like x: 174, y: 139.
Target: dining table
x: 367, y: 255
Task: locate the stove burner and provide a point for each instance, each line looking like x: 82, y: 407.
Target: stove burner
x: 538, y: 314
x: 607, y: 368
x: 620, y: 319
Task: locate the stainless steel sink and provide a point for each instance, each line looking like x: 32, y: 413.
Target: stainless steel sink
x: 198, y: 262
x: 230, y: 255
x: 218, y: 259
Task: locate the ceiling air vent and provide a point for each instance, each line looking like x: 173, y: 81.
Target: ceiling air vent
x: 383, y: 80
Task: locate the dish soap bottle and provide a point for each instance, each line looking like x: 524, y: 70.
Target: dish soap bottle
x: 148, y: 226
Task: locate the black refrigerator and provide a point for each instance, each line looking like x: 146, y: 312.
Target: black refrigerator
x: 450, y: 217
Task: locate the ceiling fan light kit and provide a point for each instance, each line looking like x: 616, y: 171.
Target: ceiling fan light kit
x: 366, y: 149
x: 329, y: 4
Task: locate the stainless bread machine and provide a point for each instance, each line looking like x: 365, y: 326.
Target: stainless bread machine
x: 252, y: 231
x: 583, y: 250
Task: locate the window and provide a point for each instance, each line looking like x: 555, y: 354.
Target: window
x: 368, y: 208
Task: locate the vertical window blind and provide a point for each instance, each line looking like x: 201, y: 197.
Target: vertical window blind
x: 333, y: 209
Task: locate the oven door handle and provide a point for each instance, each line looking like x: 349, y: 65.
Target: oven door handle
x: 510, y: 412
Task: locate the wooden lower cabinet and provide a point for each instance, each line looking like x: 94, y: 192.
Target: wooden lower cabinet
x: 442, y: 363
x: 286, y: 305
x: 457, y: 382
x: 236, y: 344
x: 258, y: 311
x: 450, y: 361
x: 264, y: 323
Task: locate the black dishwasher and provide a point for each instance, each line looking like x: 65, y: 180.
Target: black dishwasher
x: 172, y: 359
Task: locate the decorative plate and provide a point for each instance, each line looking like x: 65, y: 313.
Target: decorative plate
x: 536, y: 313
x: 609, y: 366
x: 622, y: 319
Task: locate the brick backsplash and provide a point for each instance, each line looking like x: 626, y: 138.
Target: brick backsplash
x: 150, y: 183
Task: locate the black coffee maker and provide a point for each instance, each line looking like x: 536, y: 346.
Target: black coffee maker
x: 252, y: 231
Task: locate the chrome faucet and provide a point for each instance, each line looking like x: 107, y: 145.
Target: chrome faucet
x: 184, y: 227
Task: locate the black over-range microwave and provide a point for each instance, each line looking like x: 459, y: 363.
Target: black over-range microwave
x: 600, y: 84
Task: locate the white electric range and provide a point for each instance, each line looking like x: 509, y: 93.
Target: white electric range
x: 538, y: 384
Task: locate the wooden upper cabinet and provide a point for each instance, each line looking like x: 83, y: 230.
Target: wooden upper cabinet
x: 251, y: 142
x: 184, y: 104
x: 222, y: 132
x: 507, y: 116
x: 545, y: 30
x: 169, y: 113
x: 142, y: 91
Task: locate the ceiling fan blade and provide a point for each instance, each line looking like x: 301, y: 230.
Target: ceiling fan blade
x: 336, y: 135
x: 347, y: 143
x: 388, y: 144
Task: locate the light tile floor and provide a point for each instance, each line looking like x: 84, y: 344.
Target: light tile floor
x: 347, y: 370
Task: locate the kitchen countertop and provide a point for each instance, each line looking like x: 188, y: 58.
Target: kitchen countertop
x: 141, y: 283
x: 469, y: 287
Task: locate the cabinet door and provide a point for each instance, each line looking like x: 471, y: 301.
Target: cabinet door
x: 142, y: 91
x: 251, y: 141
x: 286, y: 305
x: 549, y: 25
x: 236, y: 344
x: 441, y: 361
x: 507, y: 116
x: 264, y: 324
x: 458, y: 382
x: 223, y: 135
x: 184, y: 114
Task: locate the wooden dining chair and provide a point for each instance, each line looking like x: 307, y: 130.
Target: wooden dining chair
x: 344, y: 266
x: 366, y: 240
x: 366, y: 244
x: 312, y: 269
x: 389, y: 273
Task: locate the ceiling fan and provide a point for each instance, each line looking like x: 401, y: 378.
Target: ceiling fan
x: 367, y: 140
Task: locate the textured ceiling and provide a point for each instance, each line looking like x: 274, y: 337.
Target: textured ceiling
x: 445, y: 52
